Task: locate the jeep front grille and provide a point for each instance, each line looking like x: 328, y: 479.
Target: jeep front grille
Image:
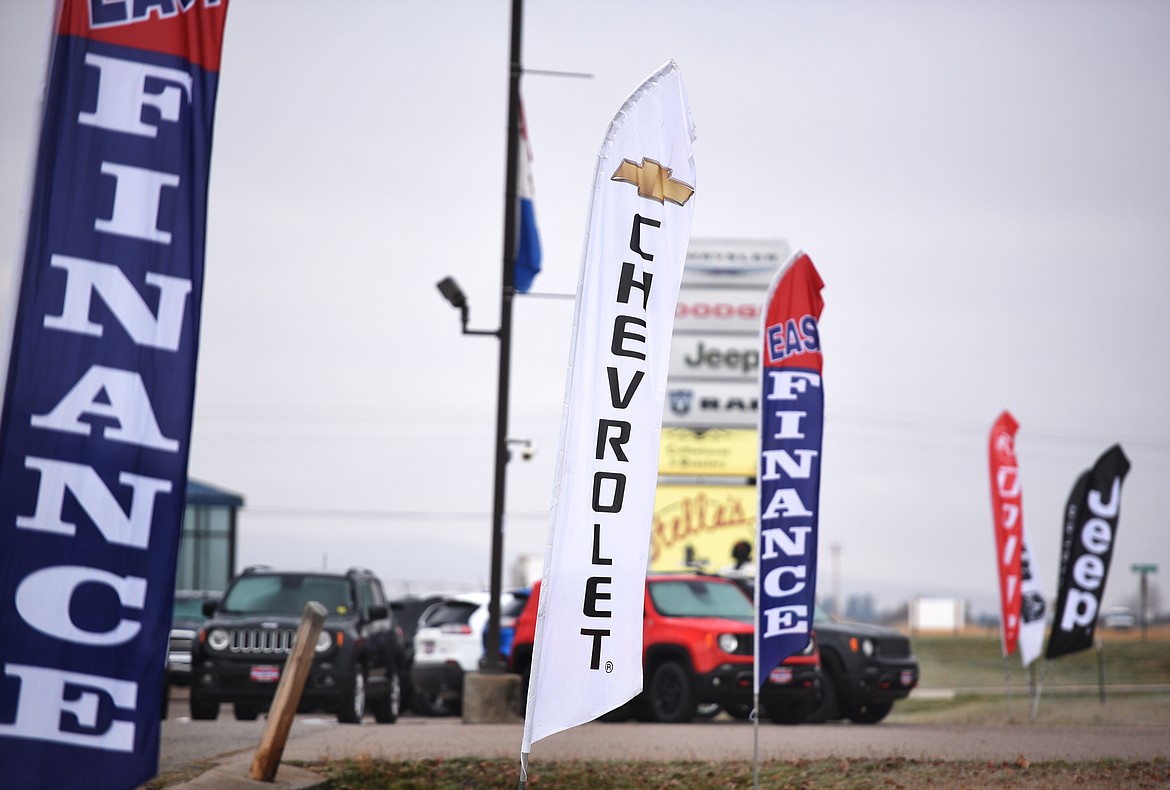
x: 261, y: 641
x: 893, y: 647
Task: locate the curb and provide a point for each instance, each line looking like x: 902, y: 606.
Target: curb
x: 237, y: 776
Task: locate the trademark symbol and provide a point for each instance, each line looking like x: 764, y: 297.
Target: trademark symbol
x: 608, y: 667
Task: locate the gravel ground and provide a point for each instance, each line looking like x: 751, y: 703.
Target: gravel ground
x: 1129, y: 727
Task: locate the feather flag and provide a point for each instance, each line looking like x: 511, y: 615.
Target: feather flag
x: 1090, y: 533
x: 1022, y: 602
x: 792, y: 407
x: 587, y: 654
x: 96, y: 424
x: 528, y: 254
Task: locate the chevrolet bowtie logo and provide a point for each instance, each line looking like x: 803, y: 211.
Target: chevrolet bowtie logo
x: 653, y: 181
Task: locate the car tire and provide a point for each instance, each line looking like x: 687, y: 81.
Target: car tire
x: 828, y: 704
x: 245, y: 712
x: 870, y: 713
x: 351, y: 707
x: 671, y: 698
x: 202, y: 710
x: 622, y: 712
x: 387, y: 709
x: 787, y: 714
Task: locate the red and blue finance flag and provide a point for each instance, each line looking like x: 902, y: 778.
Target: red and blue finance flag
x: 96, y: 422
x: 792, y: 407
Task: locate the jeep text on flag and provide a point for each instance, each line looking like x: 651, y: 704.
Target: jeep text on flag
x: 97, y: 412
x: 1022, y: 603
x: 587, y: 657
x: 789, y: 477
x: 1090, y: 530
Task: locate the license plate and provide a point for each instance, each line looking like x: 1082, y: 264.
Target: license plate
x: 907, y: 677
x: 262, y: 673
x: 780, y: 675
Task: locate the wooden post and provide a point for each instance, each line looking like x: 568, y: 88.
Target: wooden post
x: 288, y: 694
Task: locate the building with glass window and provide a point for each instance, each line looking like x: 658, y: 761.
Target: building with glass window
x: 207, y: 552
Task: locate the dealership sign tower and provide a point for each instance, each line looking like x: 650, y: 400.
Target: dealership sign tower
x: 705, y: 504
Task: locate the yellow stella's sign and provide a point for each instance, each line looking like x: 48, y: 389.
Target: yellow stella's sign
x: 697, y: 526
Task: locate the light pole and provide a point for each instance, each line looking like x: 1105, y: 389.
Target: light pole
x: 491, y: 663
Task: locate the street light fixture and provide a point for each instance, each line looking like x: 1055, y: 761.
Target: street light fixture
x: 454, y: 294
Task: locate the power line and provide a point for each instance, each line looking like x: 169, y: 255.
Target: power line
x: 384, y: 515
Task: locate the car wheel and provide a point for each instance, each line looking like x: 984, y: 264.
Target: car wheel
x: 406, y: 684
x: 387, y: 709
x: 202, y: 710
x: 828, y: 705
x: 671, y: 697
x: 352, y: 705
x: 871, y: 713
x: 787, y: 714
x: 621, y: 713
x: 245, y: 712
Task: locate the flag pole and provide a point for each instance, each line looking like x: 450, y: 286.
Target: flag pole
x: 1007, y: 682
x: 491, y: 663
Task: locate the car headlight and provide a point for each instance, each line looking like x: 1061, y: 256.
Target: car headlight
x: 218, y: 639
x: 324, y: 641
x: 728, y: 643
x: 867, y: 647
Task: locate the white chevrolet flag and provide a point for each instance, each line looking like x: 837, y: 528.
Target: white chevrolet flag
x: 587, y: 656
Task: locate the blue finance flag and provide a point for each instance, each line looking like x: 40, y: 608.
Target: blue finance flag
x: 96, y: 421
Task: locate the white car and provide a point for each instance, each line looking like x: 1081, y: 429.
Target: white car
x: 448, y: 644
x: 1118, y: 617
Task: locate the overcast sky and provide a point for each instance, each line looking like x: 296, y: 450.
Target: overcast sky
x: 984, y: 187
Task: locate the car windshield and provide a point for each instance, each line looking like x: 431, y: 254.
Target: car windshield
x: 189, y: 608
x: 287, y: 594
x: 513, y: 607
x: 700, y: 598
x: 448, y: 613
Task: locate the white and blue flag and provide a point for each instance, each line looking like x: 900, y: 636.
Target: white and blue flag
x: 527, y: 240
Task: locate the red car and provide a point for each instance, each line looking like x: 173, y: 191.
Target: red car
x: 698, y: 649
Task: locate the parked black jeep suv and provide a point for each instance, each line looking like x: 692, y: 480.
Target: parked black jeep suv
x: 865, y: 670
x: 241, y: 650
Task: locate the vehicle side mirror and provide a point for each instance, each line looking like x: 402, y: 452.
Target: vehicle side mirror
x: 208, y: 608
x: 378, y: 611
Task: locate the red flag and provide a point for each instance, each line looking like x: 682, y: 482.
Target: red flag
x: 1008, y: 516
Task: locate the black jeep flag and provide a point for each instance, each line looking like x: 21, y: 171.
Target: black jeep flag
x: 1090, y: 530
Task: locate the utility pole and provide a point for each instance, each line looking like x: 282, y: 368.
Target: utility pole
x: 1145, y: 569
x: 491, y: 663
